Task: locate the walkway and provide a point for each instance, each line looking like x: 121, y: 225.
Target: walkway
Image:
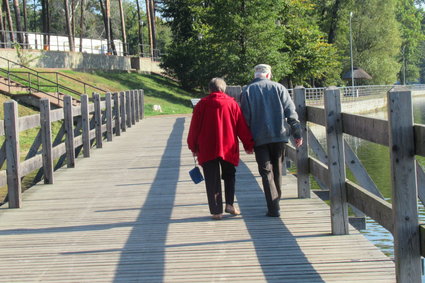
x: 131, y: 214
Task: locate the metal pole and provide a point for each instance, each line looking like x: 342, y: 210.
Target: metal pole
x: 351, y: 56
x: 404, y: 67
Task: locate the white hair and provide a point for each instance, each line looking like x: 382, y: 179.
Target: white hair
x: 260, y: 75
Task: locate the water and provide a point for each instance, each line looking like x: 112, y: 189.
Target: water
x: 375, y: 159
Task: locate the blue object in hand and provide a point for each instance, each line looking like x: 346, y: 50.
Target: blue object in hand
x: 196, y: 175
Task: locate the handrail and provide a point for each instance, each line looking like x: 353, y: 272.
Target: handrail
x: 56, y: 84
x: 29, y: 87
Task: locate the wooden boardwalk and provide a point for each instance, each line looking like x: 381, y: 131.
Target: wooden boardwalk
x: 130, y: 213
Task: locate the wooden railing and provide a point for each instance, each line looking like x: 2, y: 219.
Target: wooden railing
x: 81, y: 127
x: 405, y: 140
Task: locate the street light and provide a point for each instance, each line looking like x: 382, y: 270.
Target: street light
x: 351, y: 55
x: 404, y: 67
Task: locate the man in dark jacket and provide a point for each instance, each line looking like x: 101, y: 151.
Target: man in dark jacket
x: 266, y: 106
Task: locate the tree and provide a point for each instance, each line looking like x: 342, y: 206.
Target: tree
x: 68, y: 27
x: 228, y: 38
x: 410, y: 17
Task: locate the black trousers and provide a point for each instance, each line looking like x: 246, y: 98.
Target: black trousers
x: 269, y: 158
x: 213, y: 183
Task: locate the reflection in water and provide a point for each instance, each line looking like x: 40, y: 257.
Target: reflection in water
x: 375, y: 159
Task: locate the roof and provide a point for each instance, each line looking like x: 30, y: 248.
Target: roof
x: 359, y: 73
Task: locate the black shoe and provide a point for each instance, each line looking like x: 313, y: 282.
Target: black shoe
x: 275, y: 214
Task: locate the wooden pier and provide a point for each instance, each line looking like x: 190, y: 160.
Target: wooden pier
x: 130, y: 213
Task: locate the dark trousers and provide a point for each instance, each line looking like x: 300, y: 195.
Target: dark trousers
x: 269, y: 158
x: 213, y: 183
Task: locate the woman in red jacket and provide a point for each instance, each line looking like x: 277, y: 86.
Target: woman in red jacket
x: 216, y: 124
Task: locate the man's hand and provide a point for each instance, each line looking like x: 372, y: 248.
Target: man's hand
x: 251, y: 151
x: 298, y: 142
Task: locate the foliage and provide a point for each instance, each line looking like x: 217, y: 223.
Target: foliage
x: 228, y: 38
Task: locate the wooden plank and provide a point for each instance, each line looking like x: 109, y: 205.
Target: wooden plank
x: 29, y: 122
x: 136, y: 105
x: 108, y: 114
x: 123, y: 109
x: 374, y: 206
x: 85, y: 125
x: 133, y: 106
x: 303, y: 177
x: 235, y: 92
x: 46, y: 140
x: 128, y: 108
x: 370, y: 129
x: 56, y: 115
x: 320, y: 171
x: 419, y: 139
x: 69, y: 131
x: 2, y: 154
x: 98, y: 120
x: 359, y: 172
x: 1, y: 128
x: 404, y: 190
x: 317, y: 148
x: 58, y: 150
x: 35, y: 145
x: 31, y: 164
x: 316, y: 115
x: 336, y: 162
x: 11, y: 126
x: 422, y: 239
x: 117, y: 114
x: 142, y: 103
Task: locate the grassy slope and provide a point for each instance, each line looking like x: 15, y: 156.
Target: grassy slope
x: 158, y: 89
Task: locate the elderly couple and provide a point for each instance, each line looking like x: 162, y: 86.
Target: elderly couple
x: 218, y: 122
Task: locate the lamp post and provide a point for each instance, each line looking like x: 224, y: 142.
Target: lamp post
x: 351, y: 55
x: 404, y: 67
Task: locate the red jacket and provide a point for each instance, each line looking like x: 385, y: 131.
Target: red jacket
x: 217, y: 122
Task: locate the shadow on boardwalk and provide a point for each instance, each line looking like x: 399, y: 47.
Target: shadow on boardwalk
x: 147, y: 246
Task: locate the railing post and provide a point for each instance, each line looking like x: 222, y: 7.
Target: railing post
x: 142, y: 103
x: 303, y: 177
x: 133, y: 107
x: 69, y: 131
x: 117, y: 114
x: 128, y: 108
x: 13, y: 170
x: 137, y: 105
x: 97, y: 119
x: 85, y: 125
x: 336, y: 162
x: 46, y: 140
x: 404, y: 188
x: 108, y: 103
x: 123, y: 109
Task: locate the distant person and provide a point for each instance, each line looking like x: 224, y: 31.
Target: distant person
x: 266, y: 105
x: 216, y: 125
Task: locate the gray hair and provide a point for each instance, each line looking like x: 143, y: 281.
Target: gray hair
x: 217, y: 84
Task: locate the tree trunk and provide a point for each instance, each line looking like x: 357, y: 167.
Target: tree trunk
x: 45, y: 18
x: 18, y: 22
x: 140, y: 26
x: 2, y: 27
x: 152, y: 11
x: 148, y: 14
x: 124, y: 36
x: 107, y: 22
x: 68, y: 27
x: 334, y: 21
x: 24, y: 8
x: 108, y: 25
x: 9, y: 20
x: 81, y: 25
x: 73, y: 20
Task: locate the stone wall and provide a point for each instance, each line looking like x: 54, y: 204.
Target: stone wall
x: 80, y: 61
